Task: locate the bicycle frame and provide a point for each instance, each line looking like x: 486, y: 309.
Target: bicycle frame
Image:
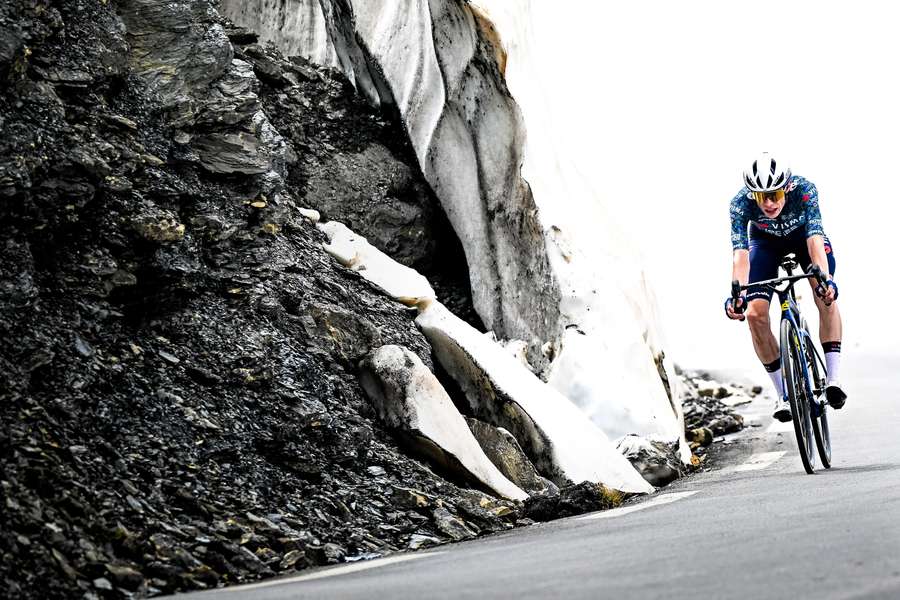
x: 791, y: 312
x: 801, y: 363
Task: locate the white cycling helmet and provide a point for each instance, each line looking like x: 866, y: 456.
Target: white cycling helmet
x: 766, y: 174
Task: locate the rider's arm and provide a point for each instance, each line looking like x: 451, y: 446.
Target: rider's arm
x: 813, y: 214
x: 815, y: 244
x: 740, y: 267
x: 740, y: 244
x: 740, y: 271
x: 815, y: 235
x: 740, y: 240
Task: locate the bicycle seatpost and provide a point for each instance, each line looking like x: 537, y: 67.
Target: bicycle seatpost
x: 735, y: 296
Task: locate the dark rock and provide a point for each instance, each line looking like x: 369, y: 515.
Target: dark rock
x: 334, y: 553
x: 451, y: 526
x: 573, y: 499
x: 159, y: 226
x: 10, y: 44
x: 292, y: 558
x: 102, y: 583
x: 703, y: 410
x: 657, y: 462
x: 409, y: 498
x: 505, y: 452
x: 417, y: 541
x: 233, y: 152
x: 83, y: 348
x: 125, y: 576
x: 177, y: 47
x: 17, y: 287
x: 345, y: 333
x: 701, y: 435
x: 168, y: 357
x: 378, y: 197
x: 727, y: 424
x: 201, y: 375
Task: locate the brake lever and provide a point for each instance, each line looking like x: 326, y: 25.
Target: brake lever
x: 735, y: 296
x: 816, y: 272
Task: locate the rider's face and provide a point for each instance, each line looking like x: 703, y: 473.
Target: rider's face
x: 771, y: 204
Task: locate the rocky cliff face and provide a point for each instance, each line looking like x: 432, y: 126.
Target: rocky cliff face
x: 462, y: 76
x: 178, y: 394
x: 436, y: 62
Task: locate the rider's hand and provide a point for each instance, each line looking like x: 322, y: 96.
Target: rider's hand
x: 828, y: 293
x: 729, y: 310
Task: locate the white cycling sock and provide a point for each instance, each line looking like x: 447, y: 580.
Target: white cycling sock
x: 774, y: 370
x: 778, y: 382
x: 832, y: 360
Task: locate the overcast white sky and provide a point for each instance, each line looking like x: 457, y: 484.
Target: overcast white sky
x: 671, y: 99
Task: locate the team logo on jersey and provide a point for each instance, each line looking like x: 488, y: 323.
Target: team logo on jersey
x: 806, y: 197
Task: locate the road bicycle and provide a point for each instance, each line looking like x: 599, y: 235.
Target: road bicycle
x: 801, y: 364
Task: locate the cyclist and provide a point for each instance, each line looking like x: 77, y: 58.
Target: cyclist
x: 775, y: 214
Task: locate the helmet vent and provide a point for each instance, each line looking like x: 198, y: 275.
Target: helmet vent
x: 780, y: 180
x: 765, y: 174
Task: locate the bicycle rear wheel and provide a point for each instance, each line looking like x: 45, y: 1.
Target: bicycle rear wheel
x: 794, y: 383
x: 820, y: 409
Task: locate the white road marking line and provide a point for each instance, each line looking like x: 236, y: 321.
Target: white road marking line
x: 779, y: 427
x: 624, y: 510
x: 334, y: 572
x: 760, y: 461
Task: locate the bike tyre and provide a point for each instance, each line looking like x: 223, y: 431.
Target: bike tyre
x: 794, y: 385
x: 820, y: 422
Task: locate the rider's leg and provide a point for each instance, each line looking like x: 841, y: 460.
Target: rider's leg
x: 830, y: 331
x: 765, y: 252
x: 830, y: 334
x: 764, y: 342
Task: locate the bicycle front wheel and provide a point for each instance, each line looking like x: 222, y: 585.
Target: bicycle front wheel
x: 795, y: 385
x: 820, y: 408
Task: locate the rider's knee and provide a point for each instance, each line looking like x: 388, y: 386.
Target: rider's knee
x: 758, y: 314
x: 826, y: 309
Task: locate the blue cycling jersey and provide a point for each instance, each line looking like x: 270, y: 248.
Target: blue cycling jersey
x: 799, y: 218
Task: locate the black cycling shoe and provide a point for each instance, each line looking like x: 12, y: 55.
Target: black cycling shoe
x: 835, y: 395
x: 782, y: 411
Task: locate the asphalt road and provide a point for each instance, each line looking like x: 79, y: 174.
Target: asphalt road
x: 769, y: 531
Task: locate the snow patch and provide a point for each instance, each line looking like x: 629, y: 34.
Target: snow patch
x: 606, y: 356
x: 562, y: 442
x: 353, y: 251
x: 409, y: 398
